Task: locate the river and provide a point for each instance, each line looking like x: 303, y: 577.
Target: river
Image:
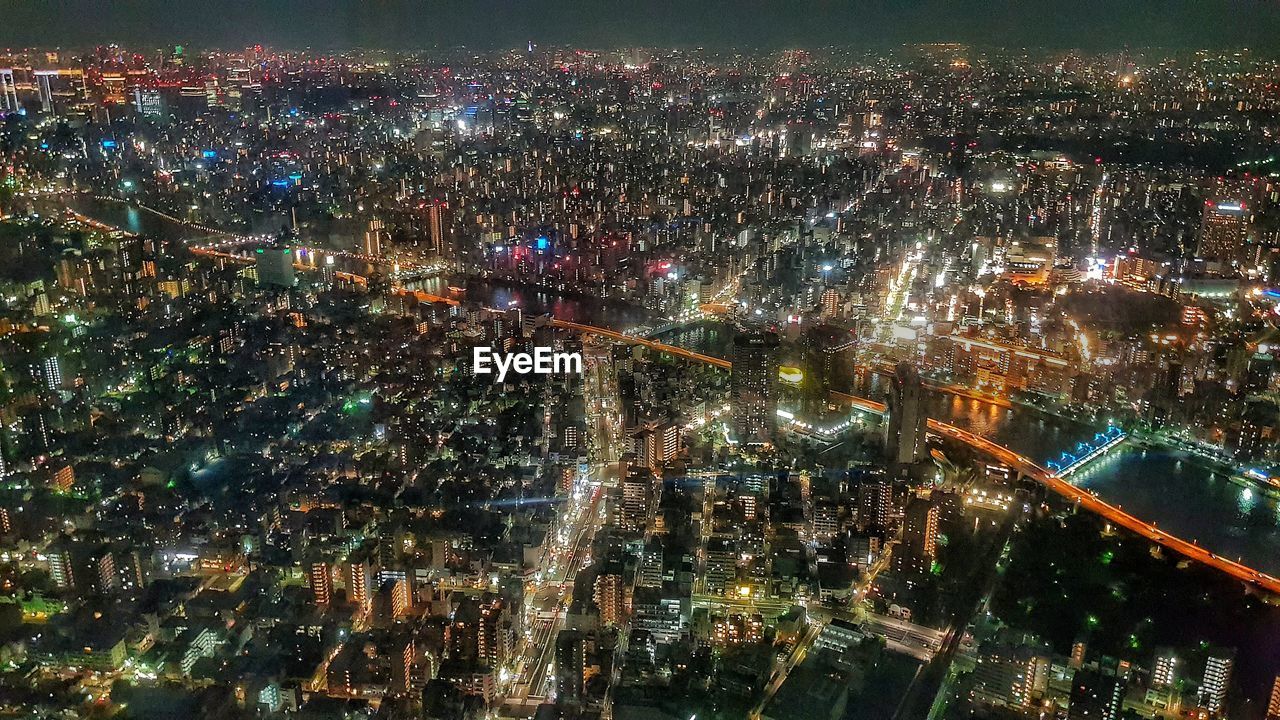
x: 587, y: 310
x: 1167, y: 487
x: 1181, y: 495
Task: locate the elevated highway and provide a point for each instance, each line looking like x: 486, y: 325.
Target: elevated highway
x: 633, y: 340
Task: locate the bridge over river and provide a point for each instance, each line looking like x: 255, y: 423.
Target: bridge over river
x: 1075, y: 459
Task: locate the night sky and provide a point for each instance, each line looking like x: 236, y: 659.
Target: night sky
x: 483, y: 24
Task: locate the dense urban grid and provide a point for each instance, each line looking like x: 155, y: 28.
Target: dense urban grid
x: 936, y: 383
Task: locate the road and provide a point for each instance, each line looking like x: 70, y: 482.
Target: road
x: 565, y: 554
x: 819, y: 617
x: 797, y: 656
x: 906, y: 637
x: 930, y: 682
x: 553, y: 597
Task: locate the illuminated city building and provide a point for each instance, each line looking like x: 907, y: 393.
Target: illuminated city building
x: 610, y: 598
x: 359, y: 579
x: 1223, y: 227
x: 637, y: 498
x: 374, y: 238
x: 320, y: 579
x: 753, y: 395
x: 1273, y: 702
x: 904, y: 433
x: 1216, y: 682
x: 1164, y: 673
x: 916, y: 553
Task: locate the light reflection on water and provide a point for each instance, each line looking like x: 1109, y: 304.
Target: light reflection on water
x: 1248, y: 501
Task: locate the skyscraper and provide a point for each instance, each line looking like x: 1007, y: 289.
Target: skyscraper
x: 904, y: 438
x: 875, y: 501
x: 609, y: 595
x: 401, y: 665
x: 637, y: 499
x: 8, y: 91
x: 358, y: 585
x: 830, y: 302
x: 462, y: 634
x: 103, y: 566
x: 435, y: 227
x: 1222, y: 230
x: 920, y: 526
x: 649, y: 574
x: 60, y: 566
x: 1258, y: 373
x: 401, y: 597
x: 752, y: 382
x: 571, y: 650
x: 47, y: 372
x: 52, y: 373
x: 492, y: 635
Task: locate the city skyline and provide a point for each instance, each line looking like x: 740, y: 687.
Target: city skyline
x: 916, y: 383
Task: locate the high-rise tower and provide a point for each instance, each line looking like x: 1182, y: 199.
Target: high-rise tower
x: 904, y: 438
x: 753, y: 387
x: 1222, y: 231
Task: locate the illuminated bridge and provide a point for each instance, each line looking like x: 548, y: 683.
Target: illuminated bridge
x: 1086, y: 452
x: 1053, y: 480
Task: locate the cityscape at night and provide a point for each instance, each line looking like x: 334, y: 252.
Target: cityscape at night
x: 765, y: 366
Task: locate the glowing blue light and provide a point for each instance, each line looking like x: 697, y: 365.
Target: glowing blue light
x: 543, y: 242
x: 108, y: 144
x: 280, y: 183
x: 209, y: 153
